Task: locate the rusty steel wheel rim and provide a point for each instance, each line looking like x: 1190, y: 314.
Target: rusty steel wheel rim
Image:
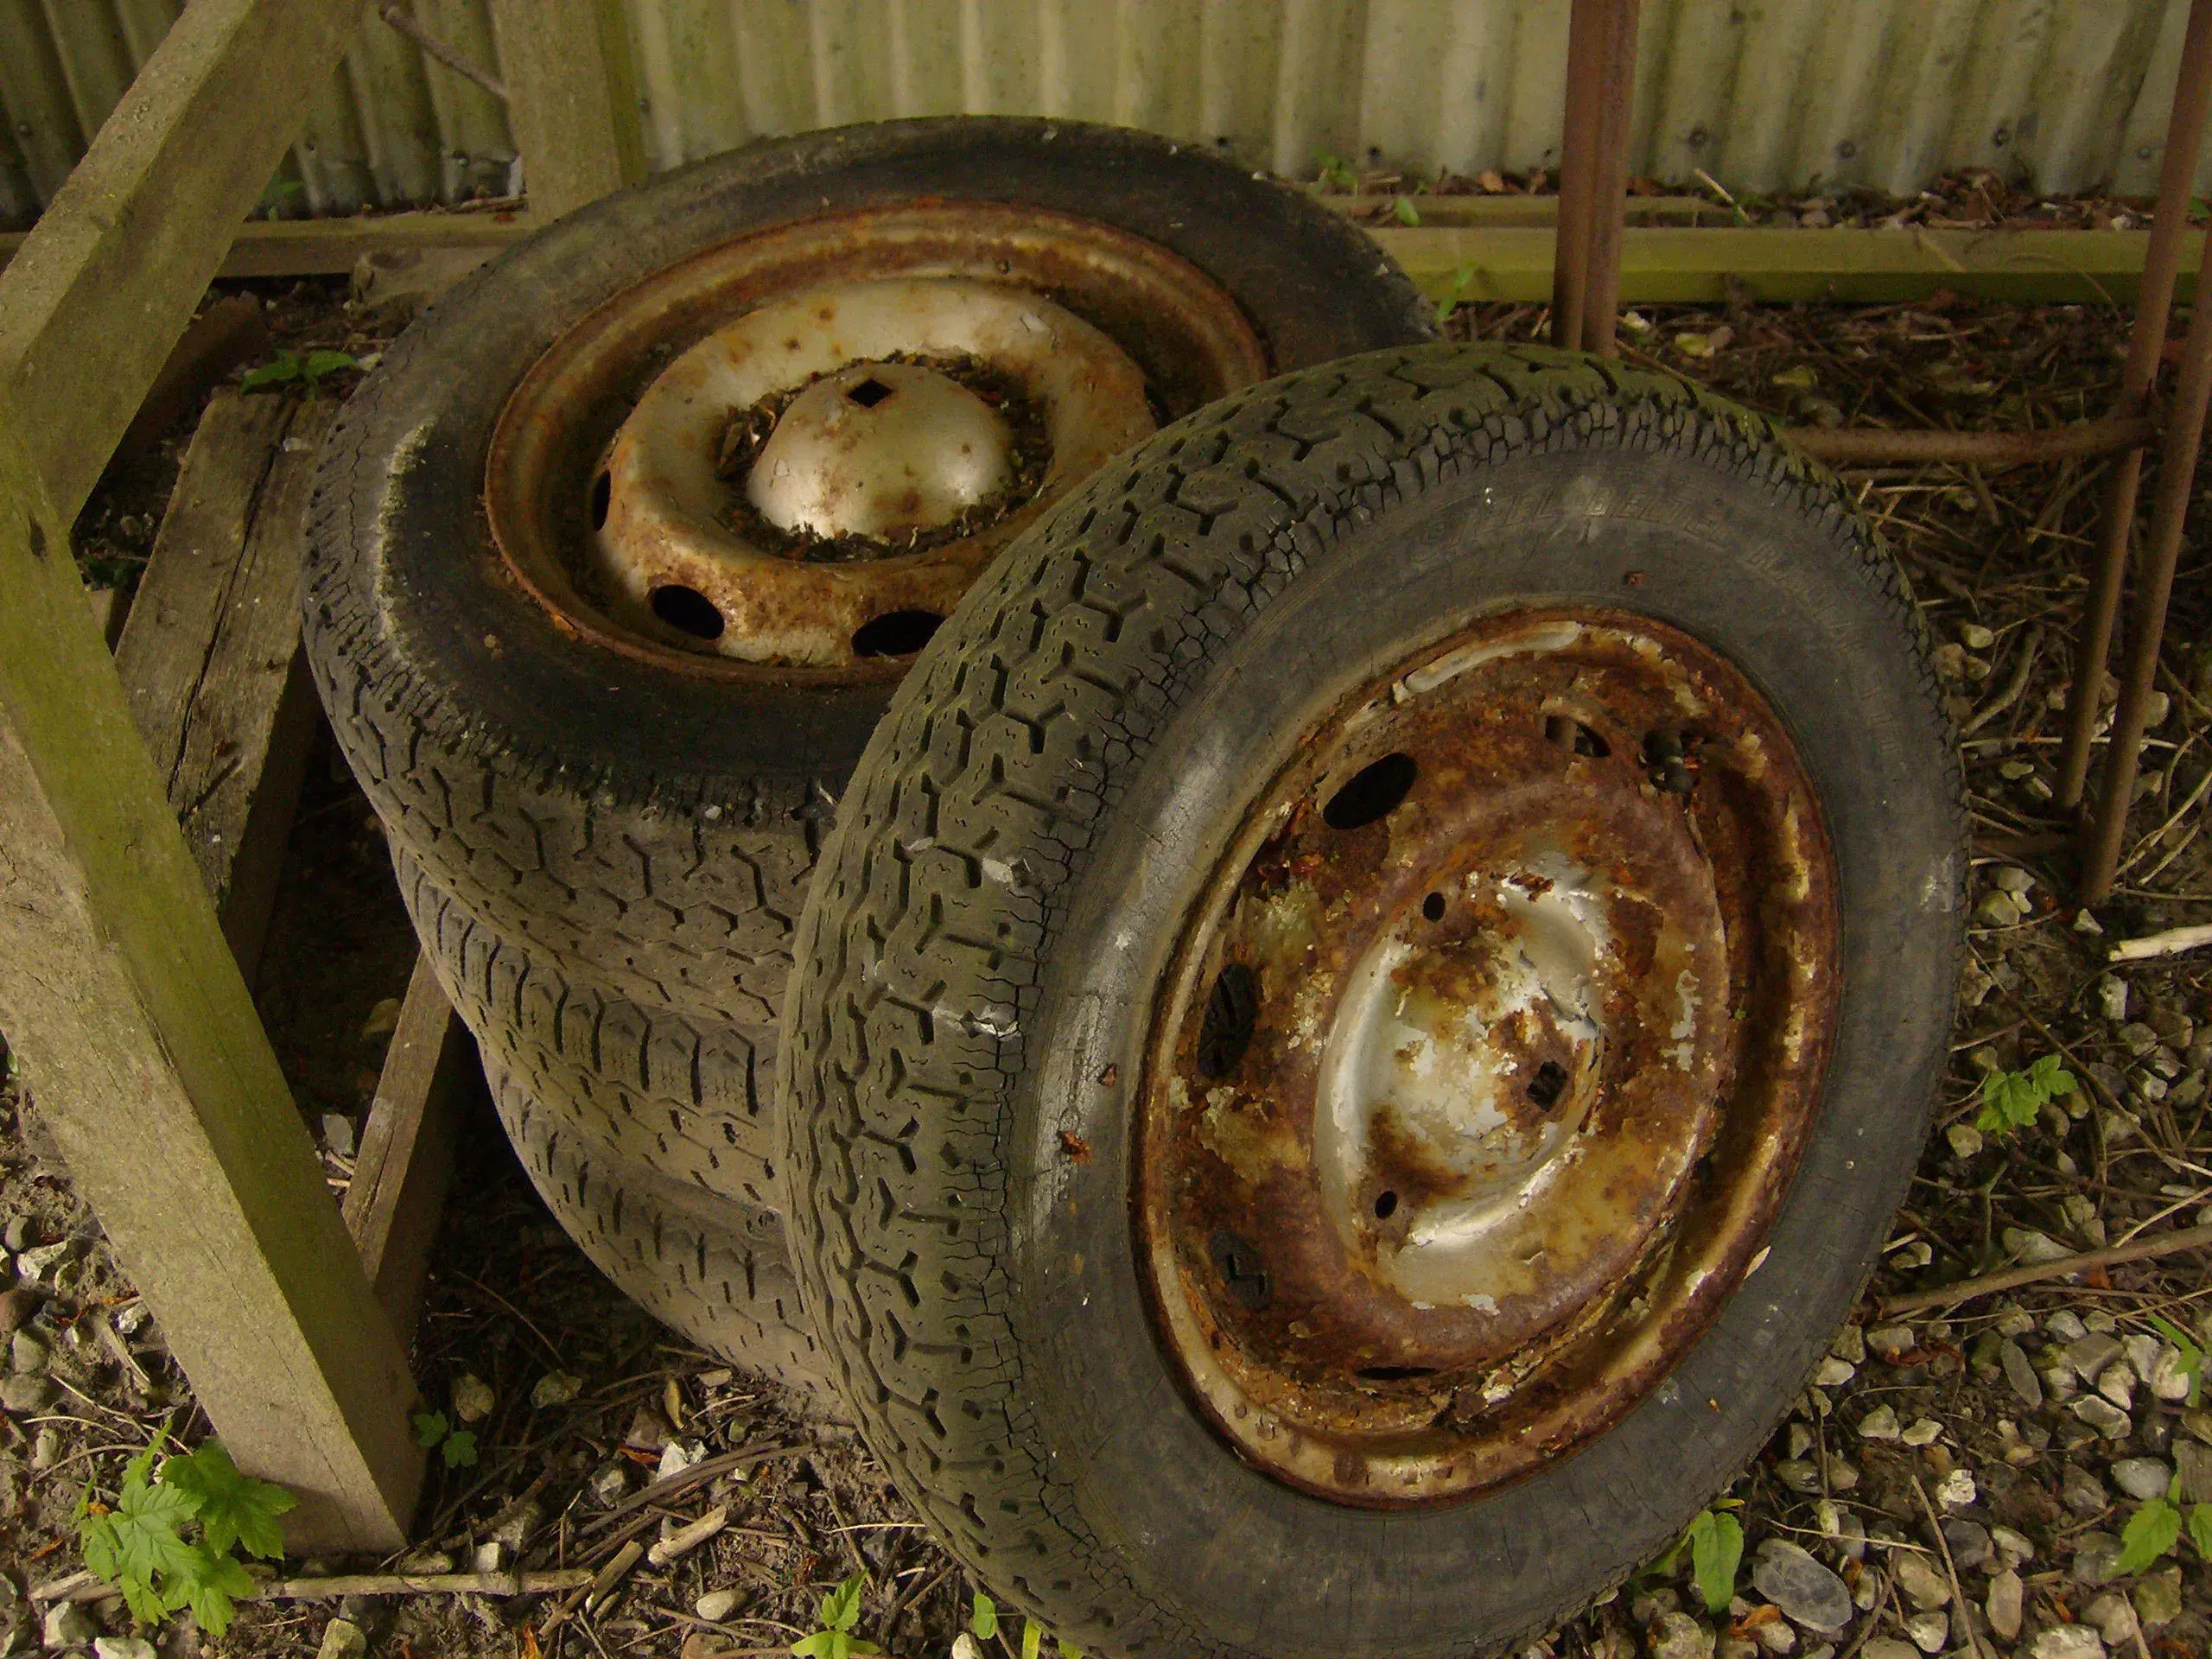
x: 595, y: 485
x: 1486, y: 1057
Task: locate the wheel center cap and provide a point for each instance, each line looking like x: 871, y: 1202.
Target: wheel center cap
x: 1457, y: 1070
x: 881, y: 450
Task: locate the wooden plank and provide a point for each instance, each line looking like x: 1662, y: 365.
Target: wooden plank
x: 115, y: 268
x: 571, y: 100
x: 138, y: 1035
x: 405, y: 1161
x: 145, y: 1058
x: 1505, y: 255
x: 210, y: 657
x: 228, y: 333
x: 1662, y: 265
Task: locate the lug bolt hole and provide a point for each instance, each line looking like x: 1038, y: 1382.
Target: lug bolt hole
x: 1664, y: 761
x: 687, y: 610
x: 1433, y: 907
x: 896, y: 633
x: 602, y: 497
x: 870, y: 392
x: 1550, y: 1083
x: 1386, y: 1205
x: 1571, y: 734
x: 1372, y: 792
x: 1226, y: 1029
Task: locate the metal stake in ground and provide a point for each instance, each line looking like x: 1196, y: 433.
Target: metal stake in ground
x: 2177, y: 475
x: 2184, y: 130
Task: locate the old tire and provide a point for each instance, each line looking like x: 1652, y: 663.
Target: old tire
x: 653, y: 828
x: 609, y: 852
x: 998, y: 922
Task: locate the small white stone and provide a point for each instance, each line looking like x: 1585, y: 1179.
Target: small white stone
x: 471, y: 1398
x: 1957, y: 1489
x: 1929, y: 1631
x: 1920, y: 1578
x: 2113, y: 1616
x: 2069, y: 1642
x: 556, y: 1388
x: 1879, y: 1424
x: 67, y: 1625
x: 1891, y: 1340
x: 122, y: 1647
x: 2117, y: 1384
x: 2142, y: 1479
x: 2012, y: 1546
x: 1924, y: 1431
x: 2005, y: 1593
x: 2167, y: 1379
x: 1834, y: 1373
x: 716, y: 1605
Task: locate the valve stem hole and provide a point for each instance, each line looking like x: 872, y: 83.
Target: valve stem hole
x: 1433, y: 907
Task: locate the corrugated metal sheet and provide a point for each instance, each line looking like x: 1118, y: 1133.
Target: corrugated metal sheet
x: 1763, y: 94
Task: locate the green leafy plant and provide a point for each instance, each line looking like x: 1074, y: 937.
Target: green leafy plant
x: 2192, y: 1357
x: 839, y: 1611
x: 983, y: 1618
x: 1337, y: 171
x: 2152, y: 1531
x: 456, y: 1445
x: 2010, y: 1100
x: 138, y: 1545
x: 1715, y: 1543
x: 1405, y: 212
x: 291, y: 369
x: 1461, y: 280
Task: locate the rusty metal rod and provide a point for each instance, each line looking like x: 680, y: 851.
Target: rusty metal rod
x: 2184, y: 133
x: 1874, y: 447
x: 1608, y: 210
x: 2177, y: 478
x: 1578, y: 141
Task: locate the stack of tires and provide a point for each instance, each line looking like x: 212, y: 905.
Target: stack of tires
x: 1317, y: 1065
x: 605, y: 855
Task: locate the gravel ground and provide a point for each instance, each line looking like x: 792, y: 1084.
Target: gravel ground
x: 1956, y: 1477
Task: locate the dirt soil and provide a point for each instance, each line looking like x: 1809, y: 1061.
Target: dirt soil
x: 1954, y: 1478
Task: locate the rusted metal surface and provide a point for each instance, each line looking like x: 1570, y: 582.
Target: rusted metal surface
x: 883, y: 450
x: 680, y: 562
x: 1488, y: 1056
x: 2184, y: 132
x: 2184, y: 436
x: 1185, y: 337
x: 1872, y: 446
